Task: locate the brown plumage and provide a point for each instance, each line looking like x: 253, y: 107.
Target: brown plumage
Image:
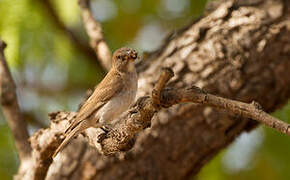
x: 111, y: 97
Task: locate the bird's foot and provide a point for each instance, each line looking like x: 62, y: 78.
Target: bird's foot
x: 101, y: 137
x: 106, y: 128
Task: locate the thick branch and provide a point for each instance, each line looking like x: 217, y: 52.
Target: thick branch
x: 44, y: 143
x: 121, y: 136
x: 11, y: 108
x: 94, y: 31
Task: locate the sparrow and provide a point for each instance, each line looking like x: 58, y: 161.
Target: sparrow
x: 112, y: 96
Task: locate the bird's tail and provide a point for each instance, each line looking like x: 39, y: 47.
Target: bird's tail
x: 80, y: 127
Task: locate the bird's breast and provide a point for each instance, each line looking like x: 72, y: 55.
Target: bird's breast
x: 120, y: 102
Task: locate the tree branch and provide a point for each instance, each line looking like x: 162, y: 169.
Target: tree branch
x: 166, y: 75
x: 122, y: 136
x: 208, y: 54
x: 81, y: 46
x: 11, y: 108
x: 139, y: 117
x: 94, y: 31
x: 253, y: 110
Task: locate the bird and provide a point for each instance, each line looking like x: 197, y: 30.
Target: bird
x: 112, y: 96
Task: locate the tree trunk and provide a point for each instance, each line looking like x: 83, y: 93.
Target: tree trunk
x: 240, y: 51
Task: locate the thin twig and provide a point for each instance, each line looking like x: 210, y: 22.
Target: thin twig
x: 94, y: 31
x: 76, y: 41
x: 253, y: 110
x: 166, y: 75
x: 11, y: 108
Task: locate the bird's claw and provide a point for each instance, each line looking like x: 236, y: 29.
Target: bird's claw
x: 106, y: 128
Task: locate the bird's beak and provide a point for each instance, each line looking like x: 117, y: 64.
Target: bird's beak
x: 133, y: 55
x: 132, y: 59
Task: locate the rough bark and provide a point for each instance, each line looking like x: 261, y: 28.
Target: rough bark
x: 240, y: 51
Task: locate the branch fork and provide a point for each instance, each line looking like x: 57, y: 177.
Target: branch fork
x: 121, y: 136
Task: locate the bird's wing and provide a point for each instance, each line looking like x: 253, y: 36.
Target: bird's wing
x: 109, y: 87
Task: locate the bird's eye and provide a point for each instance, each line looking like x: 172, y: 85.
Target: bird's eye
x: 119, y: 56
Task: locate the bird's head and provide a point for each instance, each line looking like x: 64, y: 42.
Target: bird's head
x: 123, y: 59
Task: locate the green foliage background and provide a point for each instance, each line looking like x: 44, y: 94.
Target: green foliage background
x: 52, y: 73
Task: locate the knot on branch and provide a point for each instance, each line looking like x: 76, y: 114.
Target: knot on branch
x: 115, y: 141
x: 197, y: 90
x: 257, y: 105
